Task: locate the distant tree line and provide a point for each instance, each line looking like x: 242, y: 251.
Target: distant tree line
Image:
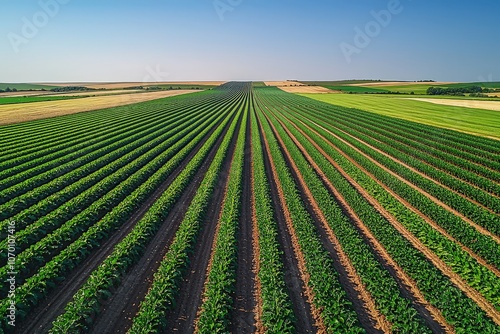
x: 458, y: 91
x: 71, y: 89
x: 8, y: 90
x: 161, y: 87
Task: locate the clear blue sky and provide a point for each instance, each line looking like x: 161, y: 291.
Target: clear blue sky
x: 137, y: 40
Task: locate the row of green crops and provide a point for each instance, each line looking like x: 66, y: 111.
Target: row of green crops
x: 378, y: 282
x: 67, y: 226
x: 276, y: 312
x: 445, y: 155
x: 451, y: 253
x: 37, y: 286
x: 62, y: 159
x: 217, y: 301
x: 436, y: 138
x: 166, y: 282
x: 474, y: 212
x: 482, y: 244
x: 329, y: 296
x: 416, y: 150
x: 31, y: 206
x: 77, y: 131
x: 27, y: 134
x: 459, y: 310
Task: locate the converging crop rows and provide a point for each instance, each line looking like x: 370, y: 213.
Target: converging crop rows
x: 247, y: 209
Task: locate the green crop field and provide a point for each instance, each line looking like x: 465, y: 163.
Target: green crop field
x: 476, y: 121
x: 26, y: 99
x: 248, y: 205
x: 421, y: 88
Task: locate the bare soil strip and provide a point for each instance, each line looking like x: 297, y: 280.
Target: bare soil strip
x: 350, y: 280
x: 410, y: 288
x: 479, y: 228
x: 22, y: 112
x: 308, y: 89
x: 292, y: 250
x: 437, y: 262
x: 117, y: 314
x: 182, y: 318
x: 243, y: 316
x: 256, y: 262
x: 476, y: 104
x: 283, y: 83
x: 53, y: 305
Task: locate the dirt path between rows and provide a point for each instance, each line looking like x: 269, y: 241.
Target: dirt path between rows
x: 117, y: 314
x: 408, y: 287
x: 243, y: 316
x: 416, y: 171
x: 259, y: 326
x: 437, y: 227
x: 437, y: 262
x: 53, y: 305
x: 479, y: 228
x: 291, y: 247
x: 182, y: 318
x: 363, y: 303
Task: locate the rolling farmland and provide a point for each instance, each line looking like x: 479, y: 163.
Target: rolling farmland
x: 247, y: 209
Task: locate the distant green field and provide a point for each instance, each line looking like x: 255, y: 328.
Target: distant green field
x: 422, y: 88
x: 23, y: 86
x: 258, y: 84
x: 356, y: 89
x: 416, y: 89
x: 339, y: 82
x: 475, y: 121
x: 23, y: 99
x: 482, y: 84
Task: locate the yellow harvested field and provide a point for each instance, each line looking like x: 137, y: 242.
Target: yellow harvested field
x: 308, y: 89
x: 28, y: 93
x: 399, y: 83
x: 119, y: 85
x: 477, y: 104
x: 22, y: 112
x: 283, y: 83
x: 99, y: 92
x: 497, y: 94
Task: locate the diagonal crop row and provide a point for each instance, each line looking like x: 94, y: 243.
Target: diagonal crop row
x: 462, y: 205
x: 274, y: 305
x: 436, y: 138
x: 459, y: 310
x: 429, y: 150
x: 74, y: 129
x: 217, y: 302
x: 50, y: 166
x: 36, y: 287
x: 481, y: 244
x: 67, y: 229
x: 162, y: 293
x: 335, y: 309
x: 48, y: 203
x: 47, y: 161
x: 377, y: 280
